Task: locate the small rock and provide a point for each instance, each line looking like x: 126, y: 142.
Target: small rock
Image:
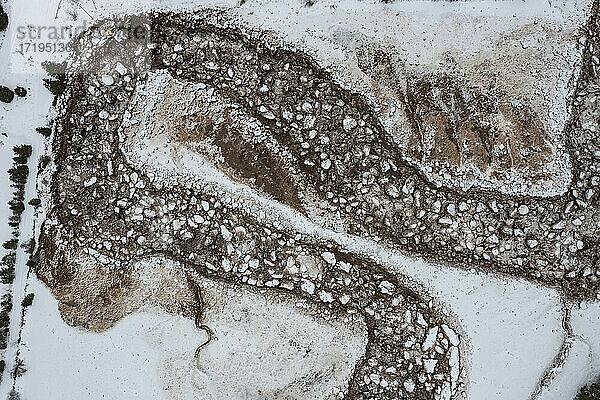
x: 451, y: 208
x: 445, y: 221
x: 205, y: 205
x: 409, y: 385
x: 266, y: 113
x: 430, y: 338
x: 451, y: 335
x: 349, y: 123
x: 226, y: 265
x: 225, y: 233
x: 308, y: 286
x: 90, y: 181
x: 120, y: 68
x: 325, y: 296
x: 429, y: 365
x: 107, y: 80
x: 386, y: 287
x: 523, y: 209
x: 329, y: 257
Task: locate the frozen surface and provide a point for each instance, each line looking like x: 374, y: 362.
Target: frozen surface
x: 572, y: 374
x: 262, y: 346
x: 18, y: 121
x: 509, y: 323
x: 513, y: 329
x: 536, y: 69
x: 585, y: 321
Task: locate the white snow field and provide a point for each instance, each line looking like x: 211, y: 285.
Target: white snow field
x: 18, y: 120
x: 261, y: 345
x: 512, y: 330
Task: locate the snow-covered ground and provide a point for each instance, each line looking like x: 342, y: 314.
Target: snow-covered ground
x: 512, y: 329
x: 536, y: 69
x: 261, y: 345
x: 18, y: 120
